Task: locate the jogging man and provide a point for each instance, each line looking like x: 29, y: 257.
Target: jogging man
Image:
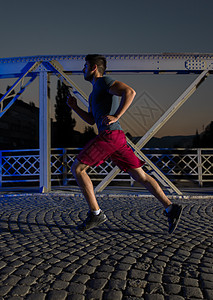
x: 105, y: 110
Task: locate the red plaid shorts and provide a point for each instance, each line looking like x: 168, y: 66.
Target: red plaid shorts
x: 110, y: 144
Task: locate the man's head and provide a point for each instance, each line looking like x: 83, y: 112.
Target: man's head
x: 94, y: 62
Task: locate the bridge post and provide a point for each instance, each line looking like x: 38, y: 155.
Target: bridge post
x: 44, y: 132
x: 1, y: 169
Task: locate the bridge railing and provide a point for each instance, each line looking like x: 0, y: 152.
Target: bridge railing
x: 22, y: 167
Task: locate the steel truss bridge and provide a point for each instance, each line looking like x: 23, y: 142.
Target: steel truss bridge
x: 25, y: 70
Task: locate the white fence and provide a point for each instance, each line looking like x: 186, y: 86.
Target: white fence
x: 22, y: 167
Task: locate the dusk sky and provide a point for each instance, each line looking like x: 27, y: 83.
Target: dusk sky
x: 52, y: 27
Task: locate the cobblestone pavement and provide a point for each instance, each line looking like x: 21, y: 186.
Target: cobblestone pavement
x: 131, y: 256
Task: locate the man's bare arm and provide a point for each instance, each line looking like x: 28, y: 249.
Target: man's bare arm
x: 127, y: 95
x: 86, y: 116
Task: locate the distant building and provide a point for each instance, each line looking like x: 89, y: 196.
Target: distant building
x: 19, y: 127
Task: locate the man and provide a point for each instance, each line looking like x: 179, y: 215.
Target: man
x: 105, y: 110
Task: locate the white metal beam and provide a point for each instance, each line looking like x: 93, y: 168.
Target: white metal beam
x: 44, y: 133
x: 131, y: 63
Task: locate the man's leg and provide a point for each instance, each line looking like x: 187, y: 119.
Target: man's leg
x: 151, y: 184
x: 172, y: 211
x: 85, y: 184
x: 95, y: 216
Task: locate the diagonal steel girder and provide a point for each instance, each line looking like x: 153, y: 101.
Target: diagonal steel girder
x: 155, y: 171
x: 30, y: 67
x: 73, y: 88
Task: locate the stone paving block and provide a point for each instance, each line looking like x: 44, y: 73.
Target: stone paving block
x: 97, y: 284
x: 163, y: 258
x: 137, y: 274
x: 119, y: 275
x: 113, y: 295
x: 94, y: 262
x: 29, y: 280
x: 138, y: 283
x: 57, y: 295
x: 192, y: 292
x: 83, y: 261
x: 154, y: 288
x: 129, y: 260
x: 12, y: 258
x: 206, y: 270
x: 5, y: 289
x: 8, y: 270
x: 66, y: 276
x: 207, y: 259
x: 72, y: 258
x: 208, y: 293
x: 55, y: 270
x: 102, y: 256
x: 206, y: 276
x: 37, y: 273
x: 191, y: 282
x: 12, y: 280
x: 22, y: 272
x: 116, y: 257
x: 86, y: 270
x: 3, y: 277
x: 36, y: 261
x: 2, y: 264
x: 62, y: 255
x: 94, y: 294
x: 123, y: 267
x: 28, y: 266
x: 36, y: 296
x: 60, y: 285
x: 134, y: 291
x: 171, y: 279
x: 73, y: 268
x: 17, y: 263
x: 104, y: 275
x: 106, y: 268
x: 154, y: 277
x: 62, y: 264
x: 76, y: 288
x: 80, y: 278
x: 207, y: 284
x: 172, y: 288
x: 117, y: 284
x: 20, y: 290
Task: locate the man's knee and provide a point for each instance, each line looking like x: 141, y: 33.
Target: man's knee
x: 138, y: 174
x: 77, y: 168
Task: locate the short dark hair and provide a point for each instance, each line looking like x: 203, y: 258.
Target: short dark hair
x: 97, y: 59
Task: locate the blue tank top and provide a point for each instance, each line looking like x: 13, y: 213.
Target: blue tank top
x: 102, y: 103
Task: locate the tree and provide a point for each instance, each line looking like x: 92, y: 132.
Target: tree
x: 206, y: 137
x: 196, y: 140
x: 65, y: 124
